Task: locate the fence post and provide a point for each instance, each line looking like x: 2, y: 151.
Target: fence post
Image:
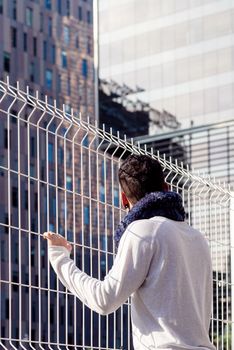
x: 232, y: 265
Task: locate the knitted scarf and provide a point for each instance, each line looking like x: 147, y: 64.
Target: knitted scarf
x: 166, y: 204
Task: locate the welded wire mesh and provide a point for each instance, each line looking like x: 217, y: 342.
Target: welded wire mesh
x: 58, y: 172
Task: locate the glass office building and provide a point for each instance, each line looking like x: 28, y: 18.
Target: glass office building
x: 178, y: 56
x: 46, y: 45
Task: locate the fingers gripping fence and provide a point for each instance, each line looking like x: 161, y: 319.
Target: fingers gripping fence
x: 58, y: 172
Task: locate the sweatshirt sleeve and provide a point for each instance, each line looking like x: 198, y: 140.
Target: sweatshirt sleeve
x: 128, y: 273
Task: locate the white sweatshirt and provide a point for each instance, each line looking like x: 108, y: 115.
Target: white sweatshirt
x: 166, y: 268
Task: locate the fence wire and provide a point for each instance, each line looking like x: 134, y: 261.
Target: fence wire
x: 58, y: 172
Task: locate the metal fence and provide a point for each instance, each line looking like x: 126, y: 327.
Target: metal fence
x: 209, y: 148
x: 59, y: 172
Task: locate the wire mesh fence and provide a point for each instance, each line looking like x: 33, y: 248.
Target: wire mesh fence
x: 195, y: 146
x: 58, y: 172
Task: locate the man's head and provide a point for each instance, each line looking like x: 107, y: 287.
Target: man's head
x: 139, y: 175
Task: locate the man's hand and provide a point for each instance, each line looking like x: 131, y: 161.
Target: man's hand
x: 54, y: 239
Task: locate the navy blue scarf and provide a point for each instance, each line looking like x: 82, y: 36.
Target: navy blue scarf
x: 166, y: 204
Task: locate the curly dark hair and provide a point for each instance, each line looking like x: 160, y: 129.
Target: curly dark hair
x: 139, y: 175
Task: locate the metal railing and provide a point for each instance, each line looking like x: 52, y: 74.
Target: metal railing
x: 59, y: 172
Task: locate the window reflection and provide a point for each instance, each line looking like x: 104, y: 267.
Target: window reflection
x: 179, y: 52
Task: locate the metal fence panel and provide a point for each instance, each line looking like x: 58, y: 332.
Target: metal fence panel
x: 59, y: 172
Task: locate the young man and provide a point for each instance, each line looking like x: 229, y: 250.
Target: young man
x: 162, y: 263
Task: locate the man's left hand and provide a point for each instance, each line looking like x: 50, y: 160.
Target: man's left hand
x: 54, y: 239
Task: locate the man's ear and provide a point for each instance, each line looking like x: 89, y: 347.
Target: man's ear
x: 125, y: 201
x: 165, y: 187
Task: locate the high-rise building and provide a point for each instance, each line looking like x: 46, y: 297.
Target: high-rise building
x: 177, y: 56
x: 48, y: 45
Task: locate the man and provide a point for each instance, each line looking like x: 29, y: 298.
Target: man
x: 162, y: 263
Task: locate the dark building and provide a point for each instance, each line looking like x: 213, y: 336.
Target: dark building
x: 121, y: 113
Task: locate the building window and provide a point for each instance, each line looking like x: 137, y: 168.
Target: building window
x: 43, y: 257
x: 51, y: 227
x: 67, y: 108
x: 69, y: 159
x: 102, y: 194
x: 1, y: 6
x: 77, y: 41
x: 103, y: 240
x: 13, y: 37
x: 51, y: 179
x: 84, y: 68
x: 14, y: 9
x: 26, y: 200
x: 13, y: 113
x: 32, y: 256
x: 68, y: 8
x: 116, y: 197
x: 15, y: 280
x: 16, y: 258
x: 34, y: 312
x: 25, y: 42
x: 64, y: 59
x: 48, y: 4
x: 29, y: 16
x: 41, y: 22
x: 50, y: 152
x: 53, y: 54
x: 89, y: 19
x: 7, y: 309
x: 58, y: 83
x: 80, y: 14
x: 50, y: 26
x: 48, y: 78
x: 44, y: 50
x: 6, y: 138
x: 68, y: 183
x: 51, y: 314
x: 60, y: 155
x: 86, y: 215
x: 6, y: 62
x: 34, y: 46
x: 6, y: 223
x: 32, y: 146
x: 103, y: 170
x: 35, y: 202
x: 34, y: 229
x: 66, y: 35
x: 68, y: 86
x: 78, y: 186
x: 3, y: 250
x: 59, y: 6
x: 88, y: 46
x: 32, y: 72
x: 14, y: 197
